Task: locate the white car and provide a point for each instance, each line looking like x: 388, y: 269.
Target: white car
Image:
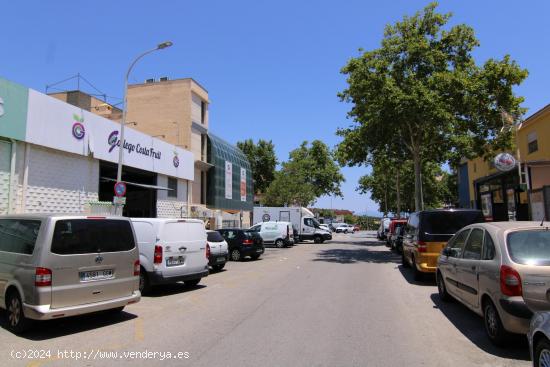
x: 219, y: 253
x: 281, y: 234
x: 170, y: 251
x: 325, y: 227
x: 344, y: 228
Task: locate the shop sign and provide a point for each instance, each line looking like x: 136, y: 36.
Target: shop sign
x: 505, y: 162
x: 228, y: 180
x: 13, y: 110
x: 243, y: 184
x: 487, y: 206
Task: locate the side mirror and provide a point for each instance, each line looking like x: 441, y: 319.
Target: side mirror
x: 447, y: 251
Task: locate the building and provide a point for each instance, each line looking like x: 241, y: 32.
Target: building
x: 57, y: 157
x: 502, y: 195
x: 89, y: 103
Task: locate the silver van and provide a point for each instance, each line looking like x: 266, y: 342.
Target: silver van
x: 54, y: 266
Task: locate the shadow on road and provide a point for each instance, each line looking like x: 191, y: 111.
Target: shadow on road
x: 428, y: 279
x: 471, y: 326
x: 171, y: 289
x: 50, y: 329
x: 356, y: 255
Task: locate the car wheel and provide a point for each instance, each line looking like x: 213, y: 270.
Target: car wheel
x: 192, y: 283
x: 404, y: 260
x: 442, y: 289
x: 235, y: 255
x: 16, y: 320
x: 279, y: 243
x: 218, y: 267
x: 318, y: 239
x: 493, y: 326
x: 417, y: 274
x: 541, y: 355
x: 144, y: 285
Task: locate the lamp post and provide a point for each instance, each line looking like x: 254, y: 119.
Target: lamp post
x: 160, y: 46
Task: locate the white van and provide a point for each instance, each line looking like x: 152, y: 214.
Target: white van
x: 171, y: 250
x: 279, y: 234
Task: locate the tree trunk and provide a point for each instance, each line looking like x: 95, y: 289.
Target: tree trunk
x: 417, y: 180
x: 398, y: 192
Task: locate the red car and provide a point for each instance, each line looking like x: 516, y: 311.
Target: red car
x: 356, y: 228
x: 394, y: 224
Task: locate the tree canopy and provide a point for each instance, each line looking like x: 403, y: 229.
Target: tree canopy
x: 423, y: 89
x: 262, y: 161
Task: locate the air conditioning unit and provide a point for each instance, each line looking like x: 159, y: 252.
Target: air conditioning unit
x: 150, y: 80
x: 164, y: 79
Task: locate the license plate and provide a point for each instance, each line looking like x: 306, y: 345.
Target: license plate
x: 259, y: 250
x: 220, y: 259
x: 86, y: 276
x: 175, y: 261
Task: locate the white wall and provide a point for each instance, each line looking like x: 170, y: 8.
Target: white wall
x: 58, y: 182
x: 5, y: 164
x: 196, y: 108
x: 170, y: 207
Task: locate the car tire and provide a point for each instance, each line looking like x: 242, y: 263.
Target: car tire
x: 236, y: 255
x: 192, y: 283
x: 541, y: 350
x: 144, y: 284
x: 218, y: 267
x: 493, y: 325
x: 16, y: 321
x: 318, y: 239
x: 417, y: 274
x: 404, y: 260
x: 279, y: 243
x: 442, y: 288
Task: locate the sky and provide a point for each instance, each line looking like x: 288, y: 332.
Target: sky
x: 272, y: 68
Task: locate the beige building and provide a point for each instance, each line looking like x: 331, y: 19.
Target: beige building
x: 90, y: 104
x: 177, y: 112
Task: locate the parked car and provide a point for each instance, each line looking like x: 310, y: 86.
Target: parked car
x: 325, y: 227
x: 344, y: 228
x: 427, y: 233
x: 280, y: 234
x: 170, y: 251
x: 64, y: 265
x: 499, y: 270
x: 219, y: 253
x: 394, y: 224
x: 383, y: 228
x: 539, y: 339
x: 356, y: 228
x: 397, y: 242
x: 243, y: 243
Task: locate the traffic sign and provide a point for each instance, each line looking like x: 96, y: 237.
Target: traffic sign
x: 119, y: 200
x: 120, y: 189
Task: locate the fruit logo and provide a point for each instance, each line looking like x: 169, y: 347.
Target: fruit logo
x: 78, y: 127
x: 112, y: 140
x: 176, y: 160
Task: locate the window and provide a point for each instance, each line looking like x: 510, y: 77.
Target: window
x: 173, y: 185
x: 214, y: 237
x: 532, y: 143
x: 18, y: 235
x: 472, y: 250
x: 84, y: 236
x: 488, y: 248
x: 530, y: 247
x: 309, y: 222
x: 256, y: 228
x: 203, y: 112
x: 457, y: 243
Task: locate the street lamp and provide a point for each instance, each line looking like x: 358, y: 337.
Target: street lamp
x: 160, y: 46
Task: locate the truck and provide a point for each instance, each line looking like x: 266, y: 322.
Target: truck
x: 303, y: 221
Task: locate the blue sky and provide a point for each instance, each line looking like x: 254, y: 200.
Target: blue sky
x: 271, y: 67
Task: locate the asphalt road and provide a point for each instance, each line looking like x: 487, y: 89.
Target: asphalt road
x: 347, y: 302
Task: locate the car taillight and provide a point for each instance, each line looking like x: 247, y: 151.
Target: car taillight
x: 42, y: 277
x: 248, y: 242
x: 157, y: 258
x: 510, y: 281
x: 136, y: 268
x: 422, y: 246
x: 207, y: 251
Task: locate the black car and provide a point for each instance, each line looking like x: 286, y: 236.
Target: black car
x: 243, y: 243
x: 397, y: 239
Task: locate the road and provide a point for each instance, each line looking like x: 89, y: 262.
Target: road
x: 347, y: 302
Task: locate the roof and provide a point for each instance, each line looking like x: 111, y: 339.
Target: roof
x: 513, y: 225
x: 449, y: 210
x: 534, y: 115
x: 162, y: 220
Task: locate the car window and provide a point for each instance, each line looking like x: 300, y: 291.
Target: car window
x: 488, y: 247
x: 441, y: 225
x: 456, y: 244
x: 256, y: 228
x: 230, y: 235
x: 472, y: 249
x: 309, y: 222
x: 83, y: 236
x: 530, y: 247
x: 18, y: 235
x: 214, y: 237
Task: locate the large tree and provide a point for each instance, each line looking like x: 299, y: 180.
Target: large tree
x: 309, y: 173
x: 262, y: 161
x: 424, y: 87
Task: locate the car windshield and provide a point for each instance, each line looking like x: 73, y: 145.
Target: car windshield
x: 442, y: 225
x: 531, y: 247
x: 214, y: 237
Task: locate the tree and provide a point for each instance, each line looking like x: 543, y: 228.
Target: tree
x: 262, y: 161
x: 309, y: 173
x: 423, y: 87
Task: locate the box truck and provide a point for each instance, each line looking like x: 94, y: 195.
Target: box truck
x: 305, y: 225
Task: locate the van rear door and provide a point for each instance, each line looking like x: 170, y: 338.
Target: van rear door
x: 184, y: 243
x: 91, y: 260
